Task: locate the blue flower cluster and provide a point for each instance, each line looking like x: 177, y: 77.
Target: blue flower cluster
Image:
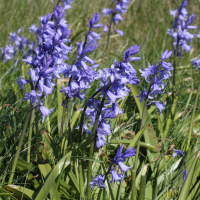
x: 118, y: 160
x: 120, y: 8
x: 83, y: 71
x: 17, y: 43
x: 180, y: 31
x: 113, y: 84
x: 156, y: 74
x: 48, y: 59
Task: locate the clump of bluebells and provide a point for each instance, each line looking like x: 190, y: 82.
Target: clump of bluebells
x: 83, y: 71
x: 48, y: 59
x: 112, y: 83
x: 17, y: 44
x: 180, y: 31
x: 154, y: 76
x: 115, y: 13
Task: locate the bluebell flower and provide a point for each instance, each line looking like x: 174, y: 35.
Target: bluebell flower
x: 198, y: 35
x: 196, y: 63
x: 177, y: 153
x: 107, y: 11
x: 119, y: 159
x: 67, y: 4
x: 33, y: 96
x: 97, y: 181
x: 179, y: 14
x: 155, y: 75
x: 184, y: 174
x: 15, y: 38
x: 143, y: 95
x: 7, y: 52
x: 45, y: 112
x: 94, y: 20
x: 105, y: 28
x: 180, y: 30
x: 116, y: 176
x: 44, y: 89
x: 121, y: 33
x: 120, y: 8
x: 160, y: 106
x: 22, y: 82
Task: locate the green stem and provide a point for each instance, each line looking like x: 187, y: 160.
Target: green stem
x: 133, y: 176
x: 63, y: 120
x: 83, y: 113
x: 47, y: 118
x: 174, y: 71
x: 137, y: 155
x: 69, y: 125
x: 30, y: 136
x: 192, y: 119
x: 61, y: 141
x: 163, y: 154
x: 91, y: 152
x: 19, y: 146
x: 37, y: 130
x: 109, y: 30
x: 80, y: 171
x: 60, y: 107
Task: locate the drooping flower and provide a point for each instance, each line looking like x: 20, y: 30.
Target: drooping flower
x: 196, y: 63
x: 97, y: 181
x: 184, y: 174
x: 33, y: 96
x: 177, y: 153
x: 116, y: 176
x: 22, y: 82
x: 45, y: 112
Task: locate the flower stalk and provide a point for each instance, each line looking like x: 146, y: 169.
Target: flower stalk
x: 14, y: 164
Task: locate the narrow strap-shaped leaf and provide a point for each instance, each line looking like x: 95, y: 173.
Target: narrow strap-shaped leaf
x: 187, y: 183
x: 148, y: 138
x: 45, y: 170
x: 192, y: 119
x: 21, y: 191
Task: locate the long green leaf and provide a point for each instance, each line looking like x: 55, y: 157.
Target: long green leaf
x: 187, y: 183
x: 46, y: 170
x: 21, y: 191
x: 150, y: 140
